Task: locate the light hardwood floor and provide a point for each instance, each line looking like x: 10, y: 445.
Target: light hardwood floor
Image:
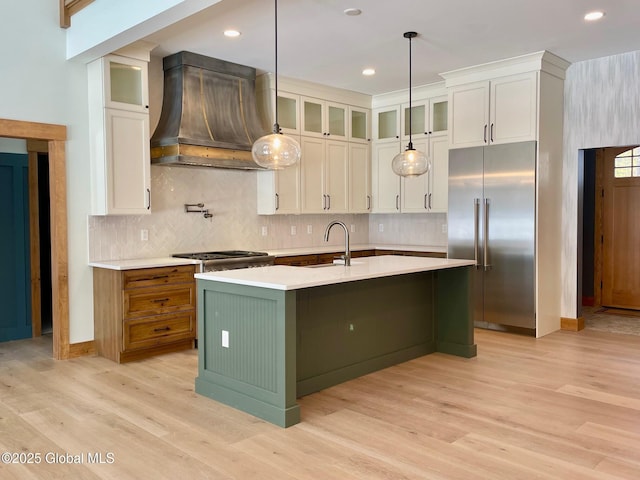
x: 566, y: 406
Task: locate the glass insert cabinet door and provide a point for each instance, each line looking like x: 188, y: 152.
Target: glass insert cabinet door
x: 359, y: 128
x: 126, y: 83
x: 323, y: 119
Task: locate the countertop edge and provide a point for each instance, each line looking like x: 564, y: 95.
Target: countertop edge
x: 138, y: 263
x: 285, y: 277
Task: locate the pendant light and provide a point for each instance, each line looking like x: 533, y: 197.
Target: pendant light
x: 411, y: 162
x: 276, y: 151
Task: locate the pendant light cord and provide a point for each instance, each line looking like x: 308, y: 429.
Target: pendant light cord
x: 410, y: 146
x: 276, y: 126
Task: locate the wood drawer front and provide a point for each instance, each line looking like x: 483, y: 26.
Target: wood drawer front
x: 153, y: 301
x: 149, y: 277
x: 158, y: 330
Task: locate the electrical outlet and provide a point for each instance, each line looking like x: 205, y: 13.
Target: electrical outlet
x: 444, y: 228
x: 264, y: 231
x: 144, y: 234
x: 309, y: 229
x: 381, y: 227
x: 225, y: 338
x: 353, y: 228
x: 294, y: 230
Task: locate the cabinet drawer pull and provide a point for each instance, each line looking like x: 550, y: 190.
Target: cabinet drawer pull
x: 485, y: 133
x: 368, y: 202
x: 153, y: 277
x: 429, y: 201
x: 160, y: 300
x: 162, y: 329
x: 277, y: 201
x: 491, y: 133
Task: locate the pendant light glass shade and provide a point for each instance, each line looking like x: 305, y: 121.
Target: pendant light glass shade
x: 411, y: 162
x: 276, y: 151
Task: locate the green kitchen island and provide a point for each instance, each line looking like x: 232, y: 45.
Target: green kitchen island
x: 269, y: 335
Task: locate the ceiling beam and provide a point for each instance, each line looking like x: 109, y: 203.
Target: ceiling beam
x: 70, y: 7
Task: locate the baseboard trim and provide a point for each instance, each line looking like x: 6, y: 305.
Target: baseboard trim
x: 82, y: 349
x: 572, y: 324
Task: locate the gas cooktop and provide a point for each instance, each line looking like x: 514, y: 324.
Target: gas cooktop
x: 221, y: 255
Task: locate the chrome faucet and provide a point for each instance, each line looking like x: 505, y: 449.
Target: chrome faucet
x: 347, y: 251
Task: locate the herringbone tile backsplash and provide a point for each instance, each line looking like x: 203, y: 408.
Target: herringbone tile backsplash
x: 230, y: 195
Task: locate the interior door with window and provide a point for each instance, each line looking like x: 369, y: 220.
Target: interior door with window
x: 15, y: 288
x: 621, y: 229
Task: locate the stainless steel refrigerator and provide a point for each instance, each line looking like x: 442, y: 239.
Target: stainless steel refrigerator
x: 491, y: 219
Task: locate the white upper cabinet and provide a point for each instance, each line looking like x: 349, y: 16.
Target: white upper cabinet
x: 324, y: 170
x: 119, y: 136
x: 279, y: 190
x: 359, y: 178
x: 513, y: 108
x: 288, y: 113
x: 502, y: 110
x: 501, y: 102
x: 333, y: 127
x: 386, y: 124
x: 125, y: 83
x: 324, y: 119
x: 359, y: 124
x: 428, y: 117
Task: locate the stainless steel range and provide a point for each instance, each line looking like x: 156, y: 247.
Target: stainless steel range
x: 229, y: 259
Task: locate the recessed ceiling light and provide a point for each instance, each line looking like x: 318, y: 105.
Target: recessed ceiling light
x: 231, y: 33
x: 592, y: 16
x: 368, y: 72
x: 352, y: 12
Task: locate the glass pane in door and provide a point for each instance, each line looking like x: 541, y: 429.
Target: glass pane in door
x: 312, y: 117
x: 358, y: 124
x: 336, y: 121
x: 126, y: 83
x: 417, y: 120
x: 287, y: 115
x: 440, y: 116
x: 387, y: 122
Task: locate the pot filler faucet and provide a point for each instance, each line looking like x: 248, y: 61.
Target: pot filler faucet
x: 347, y: 252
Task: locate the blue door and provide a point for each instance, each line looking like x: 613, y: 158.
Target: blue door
x: 15, y: 289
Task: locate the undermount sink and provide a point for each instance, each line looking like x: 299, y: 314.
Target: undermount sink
x: 336, y: 263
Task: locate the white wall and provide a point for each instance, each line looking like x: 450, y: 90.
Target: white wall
x: 602, y: 109
x: 38, y: 84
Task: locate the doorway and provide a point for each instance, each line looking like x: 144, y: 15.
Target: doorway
x: 610, y: 229
x: 15, y: 297
x: 54, y: 137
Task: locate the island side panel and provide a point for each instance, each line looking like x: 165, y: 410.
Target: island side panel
x: 256, y: 373
x: 351, y: 329
x: 454, y: 312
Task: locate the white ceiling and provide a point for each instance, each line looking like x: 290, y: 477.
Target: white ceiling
x: 319, y: 43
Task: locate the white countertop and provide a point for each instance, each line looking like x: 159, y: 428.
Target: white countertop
x: 135, y: 263
x: 284, y: 252
x: 284, y: 277
x: 131, y: 264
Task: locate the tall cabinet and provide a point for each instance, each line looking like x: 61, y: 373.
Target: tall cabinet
x: 511, y: 102
x: 333, y: 129
x: 119, y: 133
x: 428, y: 119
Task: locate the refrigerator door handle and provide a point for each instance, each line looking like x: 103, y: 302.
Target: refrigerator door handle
x: 485, y: 249
x: 476, y: 229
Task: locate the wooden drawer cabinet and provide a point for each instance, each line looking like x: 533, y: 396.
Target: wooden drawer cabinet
x: 159, y: 330
x: 158, y: 300
x: 144, y: 312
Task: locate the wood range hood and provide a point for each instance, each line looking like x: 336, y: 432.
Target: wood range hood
x: 209, y: 116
